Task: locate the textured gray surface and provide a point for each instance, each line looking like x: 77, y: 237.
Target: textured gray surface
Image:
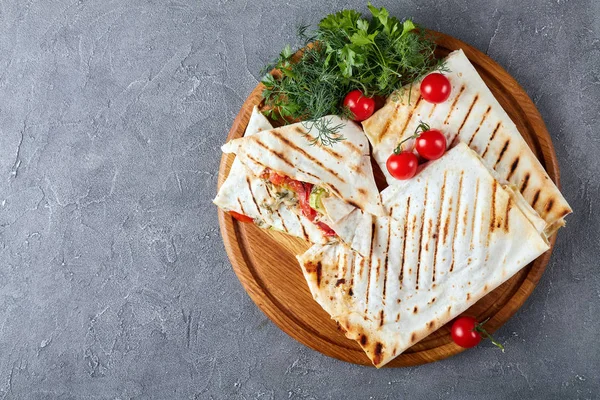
x: 114, y: 282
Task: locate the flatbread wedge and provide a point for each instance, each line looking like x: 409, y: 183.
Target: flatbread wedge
x: 245, y: 193
x: 454, y: 234
x: 342, y: 170
x: 471, y: 115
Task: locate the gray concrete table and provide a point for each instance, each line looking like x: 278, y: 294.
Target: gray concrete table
x: 114, y: 282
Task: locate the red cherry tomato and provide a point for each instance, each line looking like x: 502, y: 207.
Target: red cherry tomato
x: 463, y: 332
x: 435, y: 88
x: 360, y: 106
x: 241, y: 217
x: 431, y: 144
x: 403, y: 165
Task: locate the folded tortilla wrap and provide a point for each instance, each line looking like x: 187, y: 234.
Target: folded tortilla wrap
x: 471, y: 115
x: 244, y: 193
x: 343, y: 169
x: 454, y: 234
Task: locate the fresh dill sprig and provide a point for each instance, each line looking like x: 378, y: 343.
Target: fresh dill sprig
x: 327, y: 131
x: 377, y: 56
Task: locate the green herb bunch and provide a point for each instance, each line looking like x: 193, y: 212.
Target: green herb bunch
x: 377, y: 56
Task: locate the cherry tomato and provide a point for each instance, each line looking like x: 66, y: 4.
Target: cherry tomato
x: 241, y: 217
x: 360, y: 106
x: 431, y: 144
x: 403, y: 165
x: 463, y: 332
x: 326, y: 229
x: 435, y: 88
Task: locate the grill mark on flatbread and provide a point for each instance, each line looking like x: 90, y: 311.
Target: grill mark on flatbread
x: 487, y: 146
x: 457, y: 134
x: 513, y: 168
x: 388, y: 123
x: 308, y: 173
x: 252, y: 195
x: 401, y: 277
x: 502, y: 152
x: 387, y: 253
x: 344, y: 270
x: 337, y: 193
x: 492, y: 225
x: 549, y: 205
x: 465, y: 220
x: 429, y: 228
x: 305, y: 154
x: 241, y: 206
x: 432, y: 110
x: 340, y: 268
x: 508, y: 208
x: 255, y: 161
x: 352, y: 146
x: 437, y: 226
x: 318, y: 271
x: 381, y: 313
x: 447, y: 222
x: 357, y: 169
x: 462, y: 89
x: 378, y: 353
x: 351, y: 274
x: 421, y: 239
x: 268, y: 189
x: 536, y: 197
x: 277, y: 154
x: 370, y: 265
x: 458, y: 198
x: 493, y: 218
x: 301, y: 225
x: 362, y: 266
x: 479, y: 127
x: 525, y: 183
x: 330, y: 151
x: 353, y: 204
x: 283, y: 222
x: 471, y: 246
x: 409, y: 117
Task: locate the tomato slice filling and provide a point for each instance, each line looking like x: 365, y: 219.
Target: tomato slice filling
x: 326, y: 229
x: 302, y: 190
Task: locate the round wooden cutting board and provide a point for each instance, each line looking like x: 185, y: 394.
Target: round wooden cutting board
x: 265, y: 262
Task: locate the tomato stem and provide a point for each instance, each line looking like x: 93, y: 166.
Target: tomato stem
x: 480, y: 329
x: 422, y: 127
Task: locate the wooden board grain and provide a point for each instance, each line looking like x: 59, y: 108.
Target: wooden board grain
x: 265, y: 262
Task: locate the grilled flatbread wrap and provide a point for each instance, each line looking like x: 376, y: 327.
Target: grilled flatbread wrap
x: 455, y: 234
x: 343, y: 169
x: 246, y: 194
x: 471, y: 115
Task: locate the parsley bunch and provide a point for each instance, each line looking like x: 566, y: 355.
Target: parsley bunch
x: 377, y: 55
